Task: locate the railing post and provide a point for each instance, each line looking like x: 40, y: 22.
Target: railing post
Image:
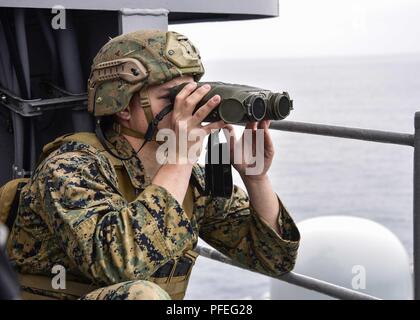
x: 416, y: 207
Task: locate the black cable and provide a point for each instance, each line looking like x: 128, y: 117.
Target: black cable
x: 5, y: 16
x: 151, y: 129
x: 99, y: 133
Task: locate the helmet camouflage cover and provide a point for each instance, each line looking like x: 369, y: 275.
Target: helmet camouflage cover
x: 133, y: 61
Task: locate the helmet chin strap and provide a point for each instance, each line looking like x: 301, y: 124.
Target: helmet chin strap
x: 152, y: 121
x: 151, y: 129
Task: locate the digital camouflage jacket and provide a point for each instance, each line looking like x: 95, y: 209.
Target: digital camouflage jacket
x: 72, y: 213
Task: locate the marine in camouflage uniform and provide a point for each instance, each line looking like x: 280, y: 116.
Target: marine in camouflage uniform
x: 73, y: 212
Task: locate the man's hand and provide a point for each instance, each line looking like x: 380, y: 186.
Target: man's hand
x: 174, y: 177
x: 261, y: 194
x: 186, y: 124
x: 250, y: 145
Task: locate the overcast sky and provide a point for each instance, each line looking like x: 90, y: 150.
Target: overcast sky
x: 314, y: 28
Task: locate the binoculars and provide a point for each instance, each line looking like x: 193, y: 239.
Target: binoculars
x: 241, y: 103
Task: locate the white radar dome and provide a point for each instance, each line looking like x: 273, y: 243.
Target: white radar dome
x: 352, y: 252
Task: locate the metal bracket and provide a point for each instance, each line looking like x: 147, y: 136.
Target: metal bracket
x: 57, y: 99
x: 20, y: 172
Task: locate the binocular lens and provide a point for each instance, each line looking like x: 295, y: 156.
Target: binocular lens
x: 279, y: 106
x: 233, y: 111
x: 258, y: 108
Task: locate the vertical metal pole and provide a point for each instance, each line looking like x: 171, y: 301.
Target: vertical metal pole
x: 416, y: 207
x: 22, y: 45
x: 32, y: 144
x: 19, y: 140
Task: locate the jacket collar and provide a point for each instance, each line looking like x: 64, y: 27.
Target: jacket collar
x: 133, y: 166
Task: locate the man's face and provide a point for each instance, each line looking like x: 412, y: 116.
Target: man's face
x: 158, y: 96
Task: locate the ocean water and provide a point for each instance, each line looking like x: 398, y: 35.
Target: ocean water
x: 316, y: 175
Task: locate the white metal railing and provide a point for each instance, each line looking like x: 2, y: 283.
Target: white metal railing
x: 406, y: 139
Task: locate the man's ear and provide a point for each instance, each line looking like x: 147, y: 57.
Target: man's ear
x: 125, y: 114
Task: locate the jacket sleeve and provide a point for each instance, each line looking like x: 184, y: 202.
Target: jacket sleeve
x: 233, y: 227
x: 109, y: 239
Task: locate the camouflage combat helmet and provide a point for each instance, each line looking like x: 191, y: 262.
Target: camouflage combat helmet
x: 131, y: 62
